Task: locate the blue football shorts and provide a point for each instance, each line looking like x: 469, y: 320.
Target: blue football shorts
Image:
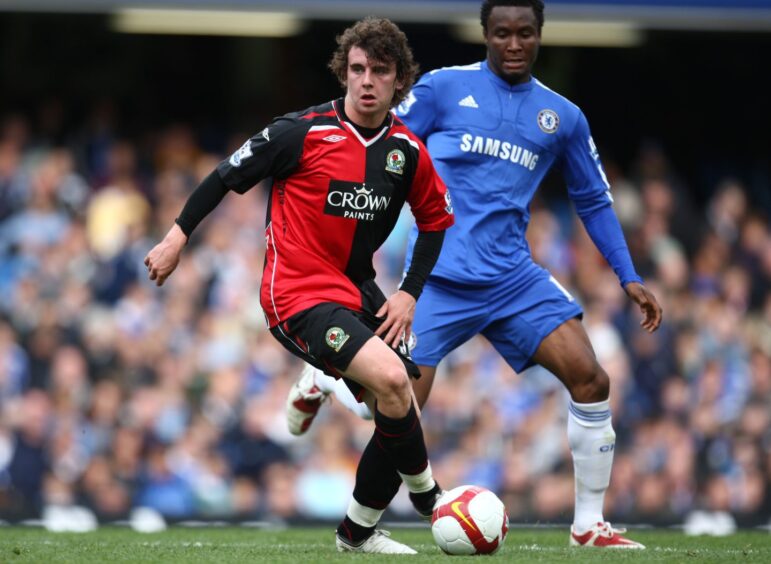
x: 514, y: 315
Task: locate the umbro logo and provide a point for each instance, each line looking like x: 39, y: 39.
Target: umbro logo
x: 468, y: 102
x: 334, y: 138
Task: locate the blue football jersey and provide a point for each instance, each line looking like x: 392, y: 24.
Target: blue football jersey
x: 493, y: 143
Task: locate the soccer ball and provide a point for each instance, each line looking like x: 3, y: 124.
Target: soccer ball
x: 469, y: 520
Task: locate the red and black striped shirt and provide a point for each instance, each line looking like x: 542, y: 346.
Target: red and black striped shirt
x: 335, y: 198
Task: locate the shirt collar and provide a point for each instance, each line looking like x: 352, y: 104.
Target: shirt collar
x: 498, y: 81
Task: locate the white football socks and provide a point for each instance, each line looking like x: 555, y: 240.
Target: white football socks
x: 363, y: 515
x: 592, y: 441
x: 323, y: 382
x: 419, y: 483
x: 331, y: 385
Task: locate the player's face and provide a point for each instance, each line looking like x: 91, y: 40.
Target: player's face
x: 512, y: 40
x: 371, y: 86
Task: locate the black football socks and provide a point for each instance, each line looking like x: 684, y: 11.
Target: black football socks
x: 396, y: 450
x: 403, y: 440
x: 424, y: 502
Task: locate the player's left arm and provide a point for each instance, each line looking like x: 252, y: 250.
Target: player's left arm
x: 649, y: 306
x: 399, y: 309
x: 590, y: 192
x: 431, y: 205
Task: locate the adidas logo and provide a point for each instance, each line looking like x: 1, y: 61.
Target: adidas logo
x: 468, y: 102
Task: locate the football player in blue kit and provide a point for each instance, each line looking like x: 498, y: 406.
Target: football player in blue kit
x: 494, y: 131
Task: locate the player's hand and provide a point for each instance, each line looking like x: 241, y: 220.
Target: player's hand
x: 398, y: 310
x: 164, y: 257
x: 649, y: 307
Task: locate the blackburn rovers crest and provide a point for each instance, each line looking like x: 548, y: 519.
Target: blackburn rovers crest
x: 395, y: 161
x: 336, y: 338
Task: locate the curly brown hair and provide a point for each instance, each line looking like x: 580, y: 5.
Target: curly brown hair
x: 383, y: 41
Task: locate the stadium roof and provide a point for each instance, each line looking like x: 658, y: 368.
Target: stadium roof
x: 652, y: 14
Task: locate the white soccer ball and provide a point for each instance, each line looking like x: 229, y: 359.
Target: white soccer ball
x: 469, y: 520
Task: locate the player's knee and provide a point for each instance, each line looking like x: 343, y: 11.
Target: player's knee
x: 600, y: 385
x: 591, y: 385
x: 395, y: 385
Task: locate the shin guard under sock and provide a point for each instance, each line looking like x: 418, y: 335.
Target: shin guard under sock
x: 403, y: 440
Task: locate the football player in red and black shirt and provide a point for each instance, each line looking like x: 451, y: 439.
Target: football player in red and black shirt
x: 340, y: 174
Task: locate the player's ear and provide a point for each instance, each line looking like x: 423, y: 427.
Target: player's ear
x: 484, y: 34
x: 398, y: 89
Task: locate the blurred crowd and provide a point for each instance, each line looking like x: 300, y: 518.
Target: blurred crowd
x: 117, y: 394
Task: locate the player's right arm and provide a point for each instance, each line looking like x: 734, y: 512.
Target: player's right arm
x: 164, y: 257
x: 275, y: 151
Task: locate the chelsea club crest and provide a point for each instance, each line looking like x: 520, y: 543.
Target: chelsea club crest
x: 548, y: 121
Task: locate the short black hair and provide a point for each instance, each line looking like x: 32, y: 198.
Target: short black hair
x: 488, y: 5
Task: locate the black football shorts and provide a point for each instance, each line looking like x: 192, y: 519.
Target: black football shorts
x: 329, y: 335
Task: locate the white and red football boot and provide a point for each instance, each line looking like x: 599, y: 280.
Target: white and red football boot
x: 303, y: 402
x: 602, y: 535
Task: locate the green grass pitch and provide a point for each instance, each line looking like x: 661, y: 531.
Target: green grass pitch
x: 305, y: 545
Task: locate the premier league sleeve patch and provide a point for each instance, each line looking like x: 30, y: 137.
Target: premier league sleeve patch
x: 244, y: 152
x: 448, y: 202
